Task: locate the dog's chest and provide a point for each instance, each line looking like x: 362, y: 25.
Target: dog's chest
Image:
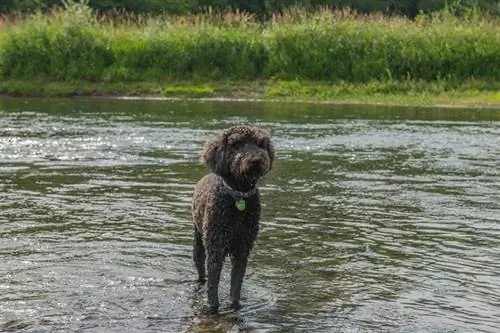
x: 239, y: 221
x: 242, y: 218
x: 242, y: 231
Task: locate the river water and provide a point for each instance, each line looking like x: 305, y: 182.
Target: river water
x: 374, y: 220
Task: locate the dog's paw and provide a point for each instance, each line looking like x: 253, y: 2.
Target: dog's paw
x: 236, y: 305
x: 211, y: 309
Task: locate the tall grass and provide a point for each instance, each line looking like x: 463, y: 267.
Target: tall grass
x: 76, y: 44
x: 62, y: 46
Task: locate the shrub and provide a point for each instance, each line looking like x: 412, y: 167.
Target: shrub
x: 76, y: 44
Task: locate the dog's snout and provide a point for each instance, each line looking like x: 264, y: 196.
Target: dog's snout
x: 255, y: 161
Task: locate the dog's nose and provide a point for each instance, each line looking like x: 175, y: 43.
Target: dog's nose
x: 255, y: 161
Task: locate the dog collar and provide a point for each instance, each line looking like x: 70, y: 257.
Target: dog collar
x: 238, y: 196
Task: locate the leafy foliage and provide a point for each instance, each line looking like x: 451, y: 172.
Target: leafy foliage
x: 73, y: 43
x: 262, y: 8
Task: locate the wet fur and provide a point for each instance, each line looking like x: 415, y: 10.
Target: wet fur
x: 240, y: 156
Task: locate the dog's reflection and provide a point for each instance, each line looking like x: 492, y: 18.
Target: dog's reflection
x: 217, y: 324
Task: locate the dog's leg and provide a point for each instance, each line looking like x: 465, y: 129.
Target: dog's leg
x: 199, y: 256
x: 215, y: 261
x: 237, y: 274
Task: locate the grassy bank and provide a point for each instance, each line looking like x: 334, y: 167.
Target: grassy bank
x: 298, y: 55
x: 470, y: 94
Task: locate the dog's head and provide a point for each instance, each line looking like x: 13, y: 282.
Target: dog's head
x: 243, y: 153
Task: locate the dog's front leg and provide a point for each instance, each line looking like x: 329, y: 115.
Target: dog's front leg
x: 215, y: 260
x: 237, y: 274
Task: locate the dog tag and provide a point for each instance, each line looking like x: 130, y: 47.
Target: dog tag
x: 240, y: 204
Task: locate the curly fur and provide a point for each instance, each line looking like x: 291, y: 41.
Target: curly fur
x: 237, y: 157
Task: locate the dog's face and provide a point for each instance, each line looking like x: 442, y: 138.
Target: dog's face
x: 244, y: 153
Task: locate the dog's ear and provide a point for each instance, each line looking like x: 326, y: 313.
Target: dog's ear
x: 267, y: 144
x: 208, y: 154
x: 213, y: 152
x: 271, y: 151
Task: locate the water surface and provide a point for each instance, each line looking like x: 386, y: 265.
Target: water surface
x: 374, y: 220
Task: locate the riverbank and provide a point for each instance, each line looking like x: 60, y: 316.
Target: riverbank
x: 322, y: 56
x: 471, y: 94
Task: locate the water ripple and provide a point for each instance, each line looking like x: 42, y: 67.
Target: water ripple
x: 375, y: 223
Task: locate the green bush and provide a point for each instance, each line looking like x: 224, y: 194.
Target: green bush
x: 187, y: 53
x: 75, y: 44
x: 66, y: 45
x: 360, y: 51
x: 327, y: 52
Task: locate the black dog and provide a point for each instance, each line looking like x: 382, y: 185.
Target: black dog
x: 226, y: 205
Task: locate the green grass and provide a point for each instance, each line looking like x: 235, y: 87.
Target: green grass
x: 471, y: 94
x: 322, y: 55
x: 194, y: 91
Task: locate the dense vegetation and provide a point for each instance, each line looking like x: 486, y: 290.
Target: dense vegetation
x: 74, y: 44
x: 262, y: 8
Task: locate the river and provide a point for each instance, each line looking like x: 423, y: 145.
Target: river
x: 375, y: 219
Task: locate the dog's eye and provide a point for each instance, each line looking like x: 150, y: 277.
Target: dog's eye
x: 237, y: 145
x: 264, y: 143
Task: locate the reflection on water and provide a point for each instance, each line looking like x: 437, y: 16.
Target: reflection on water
x: 375, y: 219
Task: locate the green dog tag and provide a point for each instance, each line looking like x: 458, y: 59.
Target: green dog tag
x: 240, y: 204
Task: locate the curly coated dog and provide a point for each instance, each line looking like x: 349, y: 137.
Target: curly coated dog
x: 226, y: 205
